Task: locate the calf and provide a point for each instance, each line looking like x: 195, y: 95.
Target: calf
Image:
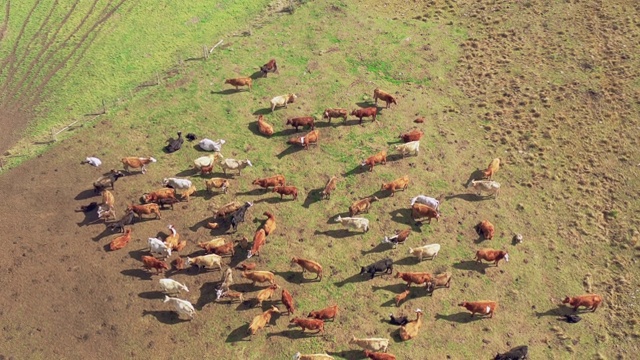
x: 399, y: 238
x: 401, y: 297
x: 380, y: 157
x: 366, y: 112
x: 439, y: 280
x: 106, y: 181
x: 397, y: 184
x: 335, y: 113
x: 269, y: 67
x: 276, y: 180
x: 331, y: 185
x: 286, y: 190
x: 260, y: 321
x: 154, y: 196
x: 590, y: 301
x: 287, y: 300
x: 493, y: 168
x: 383, y: 266
x: 231, y: 294
x: 362, y: 206
x: 149, y: 262
x: 311, y: 324
x: 485, y: 229
x: 325, y: 314
x: 417, y: 278
x: 480, y: 307
x: 302, y: 121
x: 372, y: 344
x: 491, y: 255
x: 413, y: 135
x: 237, y: 82
x: 264, y: 127
x: 384, y: 96
x: 517, y: 353
x: 223, y: 250
x: 419, y: 211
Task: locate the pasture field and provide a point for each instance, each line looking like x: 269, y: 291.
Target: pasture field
x: 549, y: 87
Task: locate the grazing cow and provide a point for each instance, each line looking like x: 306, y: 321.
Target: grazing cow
x: 259, y: 239
x: 149, y: 262
x: 174, y: 144
x: 429, y: 251
x: 106, y: 181
x: 331, y: 185
x: 210, y: 145
x: 366, y: 112
x: 302, y: 121
x: 412, y: 147
x: 399, y: 238
x: 264, y: 127
x: 246, y: 266
x: 354, y: 222
x: 171, y: 201
x: 485, y: 229
x: 397, y: 320
x: 182, y: 306
x: 237, y: 82
x: 170, y: 286
x: 269, y: 67
x: 233, y: 164
x: 217, y: 183
x: 259, y: 277
x: 384, y: 266
x: 380, y: 157
x: 489, y: 186
x: 106, y: 212
x: 286, y: 190
x: 137, y: 163
x: 372, y: 344
x: 269, y: 225
x: 410, y: 329
x: 308, y: 265
x: 481, y: 307
x: 517, y: 353
x: 154, y: 196
x: 419, y: 211
x: 205, y: 261
x: 282, y: 100
x: 401, y: 297
x: 491, y: 255
x: 276, y: 180
x: 384, y: 96
x: 299, y: 356
x: 311, y: 324
x: 237, y: 216
x: 335, y: 113
x: 429, y: 201
x: 266, y: 294
x: 417, y: 278
x: 362, y: 206
x: 378, y: 355
x: 590, y: 301
x: 413, y: 135
x: 260, y: 321
x: 227, y: 209
x: 108, y: 198
x: 287, y: 300
x: 325, y: 314
x: 397, y: 184
x: 439, y: 280
x: 493, y: 168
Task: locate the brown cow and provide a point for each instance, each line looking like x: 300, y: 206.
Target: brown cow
x: 335, y: 113
x: 325, y: 314
x: 492, y: 255
x: 302, y: 121
x: 276, y: 180
x: 486, y: 229
x: 384, y: 96
x: 270, y: 67
x: 397, y: 184
x: 413, y: 135
x: 145, y: 209
x: 380, y: 157
x: 366, y: 112
x: 286, y: 190
x: 331, y: 185
x: 480, y: 307
x: 237, y: 82
x: 590, y: 301
x: 311, y: 324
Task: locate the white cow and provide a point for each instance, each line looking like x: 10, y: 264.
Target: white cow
x: 206, y: 261
x: 157, y: 246
x: 177, y: 183
x: 233, y: 164
x: 299, y: 356
x: 207, y: 160
x: 430, y: 251
x: 371, y: 344
x: 170, y: 286
x: 354, y: 222
x: 282, y: 100
x: 429, y: 201
x: 210, y: 145
x: 93, y: 161
x: 490, y: 186
x: 408, y: 148
x: 182, y: 306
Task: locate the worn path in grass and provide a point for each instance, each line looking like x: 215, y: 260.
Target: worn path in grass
x: 485, y: 91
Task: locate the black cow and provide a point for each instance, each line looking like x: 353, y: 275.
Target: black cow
x: 517, y: 353
x: 237, y: 216
x: 384, y: 265
x: 398, y: 320
x: 127, y: 219
x: 271, y: 66
x: 175, y: 144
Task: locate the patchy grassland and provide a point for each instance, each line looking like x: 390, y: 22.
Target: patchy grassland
x: 508, y: 80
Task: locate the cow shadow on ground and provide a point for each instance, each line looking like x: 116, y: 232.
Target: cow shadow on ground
x: 239, y: 334
x: 337, y: 234
x: 256, y: 75
x: 332, y: 219
x: 165, y: 316
x: 86, y: 194
x: 313, y: 196
x: 289, y: 132
x: 394, y: 288
x: 139, y: 273
x: 479, y: 240
x: 288, y: 151
x: 403, y: 216
x: 230, y: 91
x: 359, y: 169
x: 187, y: 172
x: 295, y: 277
x: 90, y: 218
x: 475, y: 175
x: 396, y: 157
x: 380, y: 247
x: 207, y: 294
x: 558, y: 311
x: 357, y: 278
x: 368, y: 104
x: 292, y: 334
x: 468, y: 197
x: 138, y: 254
x: 472, y: 265
x: 264, y: 111
x: 254, y: 192
x: 409, y: 260
x: 274, y: 200
x: 462, y: 317
x: 348, y: 355
x: 152, y: 295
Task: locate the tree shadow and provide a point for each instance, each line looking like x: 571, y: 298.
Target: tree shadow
x: 313, y: 196
x: 239, y: 334
x: 228, y: 91
x: 139, y: 273
x: 475, y: 175
x: 290, y: 150
x: 152, y: 295
x: 472, y: 265
x: 348, y: 354
x: 357, y: 278
x: 165, y: 316
x: 86, y: 194
x: 359, y: 169
x: 468, y: 197
x: 292, y: 334
x: 264, y: 111
x: 338, y: 234
x: 380, y: 247
x: 462, y: 317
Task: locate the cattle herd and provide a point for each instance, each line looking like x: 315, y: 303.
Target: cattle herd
x: 232, y: 215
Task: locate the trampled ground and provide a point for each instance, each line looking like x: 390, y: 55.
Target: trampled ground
x: 549, y: 87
